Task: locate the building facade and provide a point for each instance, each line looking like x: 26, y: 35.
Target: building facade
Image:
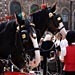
x: 64, y: 7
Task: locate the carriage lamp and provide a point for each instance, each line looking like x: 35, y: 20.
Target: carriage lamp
x: 50, y: 15
x: 59, y: 18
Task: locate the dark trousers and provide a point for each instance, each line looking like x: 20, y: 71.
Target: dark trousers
x: 69, y: 73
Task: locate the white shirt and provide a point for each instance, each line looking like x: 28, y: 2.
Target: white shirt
x: 63, y: 45
x: 63, y: 53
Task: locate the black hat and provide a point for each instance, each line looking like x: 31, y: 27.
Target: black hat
x: 70, y: 37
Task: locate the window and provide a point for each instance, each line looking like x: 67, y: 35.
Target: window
x: 15, y: 7
x: 65, y: 17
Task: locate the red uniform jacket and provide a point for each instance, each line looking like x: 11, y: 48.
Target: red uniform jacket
x: 69, y: 59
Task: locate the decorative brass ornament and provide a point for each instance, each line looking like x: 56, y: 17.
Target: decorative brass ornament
x: 34, y: 35
x: 18, y: 28
x: 59, y: 18
x: 23, y: 36
x: 50, y: 15
x: 23, y: 15
x: 32, y: 24
x: 22, y: 26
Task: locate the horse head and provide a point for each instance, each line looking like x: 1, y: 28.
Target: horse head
x: 28, y: 37
x: 47, y: 19
x: 55, y: 22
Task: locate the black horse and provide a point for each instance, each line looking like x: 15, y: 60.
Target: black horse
x: 48, y: 20
x: 13, y: 43
x: 7, y: 41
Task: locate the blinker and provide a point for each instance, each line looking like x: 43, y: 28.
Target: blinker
x: 23, y: 36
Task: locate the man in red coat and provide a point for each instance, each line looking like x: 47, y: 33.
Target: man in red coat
x: 68, y: 54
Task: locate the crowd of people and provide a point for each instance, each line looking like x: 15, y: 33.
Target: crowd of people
x: 65, y: 50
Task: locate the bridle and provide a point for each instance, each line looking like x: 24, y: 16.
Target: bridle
x: 59, y: 20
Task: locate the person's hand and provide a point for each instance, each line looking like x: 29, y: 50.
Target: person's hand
x: 33, y: 64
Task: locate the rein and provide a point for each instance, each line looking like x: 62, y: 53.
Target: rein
x: 47, y: 49
x: 61, y: 28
